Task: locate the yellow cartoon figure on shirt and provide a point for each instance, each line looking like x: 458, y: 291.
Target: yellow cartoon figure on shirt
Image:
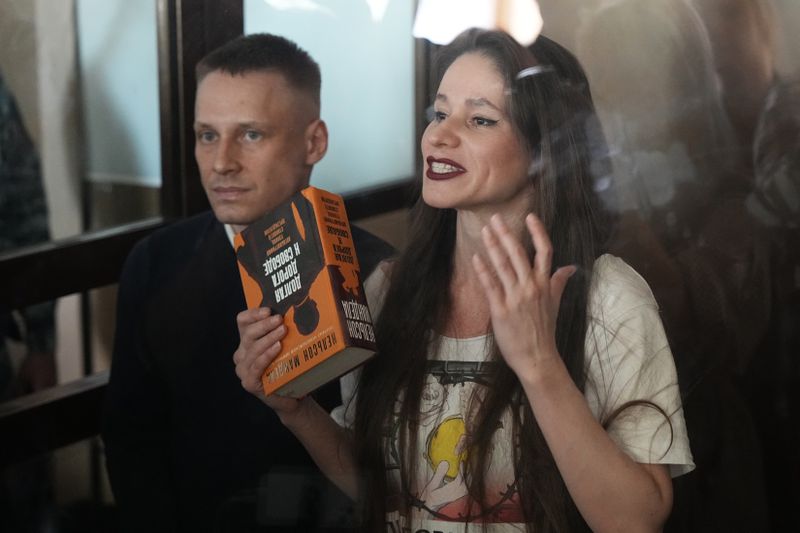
x: 446, y: 443
x: 445, y: 453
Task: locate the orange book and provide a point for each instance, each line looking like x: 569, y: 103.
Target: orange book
x: 299, y: 260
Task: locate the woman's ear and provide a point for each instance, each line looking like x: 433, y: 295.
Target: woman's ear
x: 316, y: 141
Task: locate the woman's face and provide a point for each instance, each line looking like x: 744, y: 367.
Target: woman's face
x: 473, y: 158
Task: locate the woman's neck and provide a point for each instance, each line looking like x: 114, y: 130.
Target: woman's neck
x: 469, y: 240
x: 469, y: 308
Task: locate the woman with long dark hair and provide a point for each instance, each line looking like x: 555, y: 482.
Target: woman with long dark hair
x: 524, y: 381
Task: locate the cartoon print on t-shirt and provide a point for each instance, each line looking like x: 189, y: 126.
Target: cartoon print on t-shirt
x: 439, y: 490
x: 446, y: 453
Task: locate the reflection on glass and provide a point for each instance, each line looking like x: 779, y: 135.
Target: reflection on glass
x: 26, y: 335
x: 700, y: 103
x: 78, y: 100
x: 84, y: 74
x: 365, y: 51
x: 702, y: 114
x: 440, y: 21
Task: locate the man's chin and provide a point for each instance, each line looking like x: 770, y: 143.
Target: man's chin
x: 232, y: 218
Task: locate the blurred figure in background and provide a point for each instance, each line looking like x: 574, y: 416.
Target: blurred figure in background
x: 680, y: 188
x: 743, y: 41
x: 24, y: 488
x: 23, y: 222
x: 765, y: 110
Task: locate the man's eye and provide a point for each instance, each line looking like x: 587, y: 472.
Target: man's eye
x: 482, y: 121
x: 252, y: 135
x: 206, y: 136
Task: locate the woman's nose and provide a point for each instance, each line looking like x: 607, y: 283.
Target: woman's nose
x: 442, y: 133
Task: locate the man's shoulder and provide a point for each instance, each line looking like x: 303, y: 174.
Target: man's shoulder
x: 182, y: 235
x: 187, y: 230
x: 371, y: 249
x: 173, y: 245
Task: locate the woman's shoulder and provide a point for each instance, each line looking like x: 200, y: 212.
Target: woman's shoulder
x: 378, y: 279
x: 376, y: 285
x: 617, y: 288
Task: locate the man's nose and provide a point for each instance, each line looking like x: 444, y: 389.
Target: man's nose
x: 226, y: 157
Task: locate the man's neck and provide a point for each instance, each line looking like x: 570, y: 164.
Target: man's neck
x: 230, y: 231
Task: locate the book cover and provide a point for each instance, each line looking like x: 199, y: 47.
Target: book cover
x: 299, y: 260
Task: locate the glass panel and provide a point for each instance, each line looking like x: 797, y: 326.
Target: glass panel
x: 78, y: 99
x: 83, y: 76
x: 700, y: 104
x: 702, y: 116
x: 366, y: 54
x: 119, y: 81
x: 118, y: 65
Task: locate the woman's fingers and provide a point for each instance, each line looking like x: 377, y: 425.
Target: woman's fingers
x: 509, y: 269
x: 491, y: 287
x: 515, y: 253
x: 499, y: 260
x: 543, y: 248
x: 268, y: 339
x: 559, y: 282
x: 255, y: 323
x: 501, y: 268
x: 260, y: 334
x: 508, y: 257
x: 251, y: 316
x: 250, y: 376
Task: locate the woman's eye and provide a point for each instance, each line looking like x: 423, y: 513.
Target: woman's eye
x: 252, y: 135
x: 432, y: 115
x: 482, y: 121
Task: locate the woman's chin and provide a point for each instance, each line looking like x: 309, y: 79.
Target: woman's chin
x: 434, y: 196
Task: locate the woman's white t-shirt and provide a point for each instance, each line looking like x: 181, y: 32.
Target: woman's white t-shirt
x: 628, y: 358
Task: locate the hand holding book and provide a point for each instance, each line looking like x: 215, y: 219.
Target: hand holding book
x: 260, y: 334
x: 299, y: 261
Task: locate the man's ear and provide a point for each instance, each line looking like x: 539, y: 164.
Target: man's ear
x: 316, y: 141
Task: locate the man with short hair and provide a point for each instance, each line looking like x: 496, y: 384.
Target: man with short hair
x: 187, y: 448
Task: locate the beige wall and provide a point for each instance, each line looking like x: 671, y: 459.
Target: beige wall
x: 391, y: 226
x: 61, y: 146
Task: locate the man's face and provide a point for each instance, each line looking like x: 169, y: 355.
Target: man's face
x: 254, y: 143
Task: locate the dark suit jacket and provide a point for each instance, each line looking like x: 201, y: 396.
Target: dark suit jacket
x: 187, y: 448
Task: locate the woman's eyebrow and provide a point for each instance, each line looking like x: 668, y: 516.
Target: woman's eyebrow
x: 472, y: 102
x: 482, y: 102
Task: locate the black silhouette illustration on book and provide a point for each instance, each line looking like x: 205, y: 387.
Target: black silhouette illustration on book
x: 282, y: 253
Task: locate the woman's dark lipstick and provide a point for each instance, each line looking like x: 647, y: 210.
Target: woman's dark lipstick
x: 443, y: 169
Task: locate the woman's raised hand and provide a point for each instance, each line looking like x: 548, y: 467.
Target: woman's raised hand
x: 260, y: 334
x: 523, y: 299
